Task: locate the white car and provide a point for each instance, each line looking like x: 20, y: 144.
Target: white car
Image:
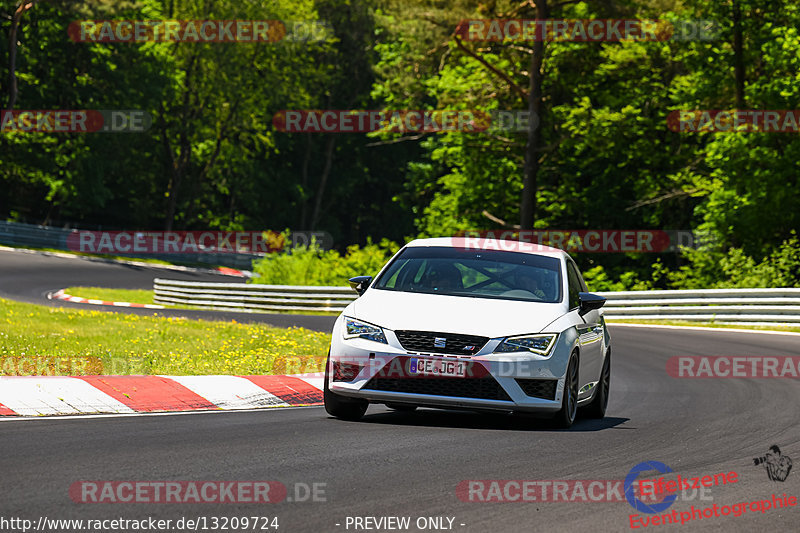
x: 472, y: 323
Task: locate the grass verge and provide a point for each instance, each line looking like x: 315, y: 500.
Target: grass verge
x: 41, y: 340
x: 133, y: 296
x: 146, y: 297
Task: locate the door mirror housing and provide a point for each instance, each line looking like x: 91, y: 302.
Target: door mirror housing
x: 589, y: 301
x: 360, y: 284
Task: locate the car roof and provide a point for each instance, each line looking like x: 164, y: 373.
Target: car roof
x: 481, y: 243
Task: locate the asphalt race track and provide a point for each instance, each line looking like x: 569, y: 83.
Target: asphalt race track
x: 29, y: 277
x: 409, y: 465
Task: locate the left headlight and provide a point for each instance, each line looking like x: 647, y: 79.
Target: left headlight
x: 356, y: 328
x: 538, y: 344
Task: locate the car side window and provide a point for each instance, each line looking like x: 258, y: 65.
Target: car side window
x: 574, y: 280
x: 584, y: 288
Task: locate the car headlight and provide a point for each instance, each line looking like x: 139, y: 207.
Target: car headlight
x: 355, y: 328
x: 539, y: 344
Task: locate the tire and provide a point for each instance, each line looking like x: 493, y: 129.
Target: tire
x: 569, y: 403
x: 405, y: 407
x: 341, y: 406
x: 597, y: 409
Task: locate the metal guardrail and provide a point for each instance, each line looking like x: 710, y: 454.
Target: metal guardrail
x: 251, y: 297
x: 753, y: 307
x: 18, y: 234
x: 723, y: 306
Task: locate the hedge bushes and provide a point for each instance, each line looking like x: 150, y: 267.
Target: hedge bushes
x: 310, y: 265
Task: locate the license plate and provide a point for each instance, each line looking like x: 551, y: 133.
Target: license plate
x: 438, y: 367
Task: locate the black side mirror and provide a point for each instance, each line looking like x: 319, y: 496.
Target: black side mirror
x: 589, y: 301
x: 360, y: 284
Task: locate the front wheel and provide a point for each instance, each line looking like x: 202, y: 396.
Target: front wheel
x: 569, y: 403
x: 597, y: 409
x: 338, y: 405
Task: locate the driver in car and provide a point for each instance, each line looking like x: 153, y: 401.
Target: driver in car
x: 444, y: 277
x: 527, y: 281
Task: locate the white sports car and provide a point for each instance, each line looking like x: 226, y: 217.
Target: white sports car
x: 472, y: 323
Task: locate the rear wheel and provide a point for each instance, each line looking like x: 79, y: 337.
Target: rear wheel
x: 401, y: 406
x: 597, y: 409
x: 338, y: 405
x: 569, y: 403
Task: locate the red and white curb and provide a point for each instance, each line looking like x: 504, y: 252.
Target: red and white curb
x: 75, y: 395
x: 61, y: 295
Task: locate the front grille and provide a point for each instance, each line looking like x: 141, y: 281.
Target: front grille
x: 485, y: 388
x: 539, y: 388
x: 426, y: 342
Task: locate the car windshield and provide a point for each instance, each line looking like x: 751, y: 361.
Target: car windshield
x: 474, y: 273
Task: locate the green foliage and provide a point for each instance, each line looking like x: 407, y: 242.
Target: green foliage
x: 310, y: 265
x: 608, y: 160
x: 734, y: 269
x: 708, y: 268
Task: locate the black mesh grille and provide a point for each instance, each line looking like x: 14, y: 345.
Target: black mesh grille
x: 539, y: 388
x: 345, y: 371
x: 485, y: 388
x: 456, y: 344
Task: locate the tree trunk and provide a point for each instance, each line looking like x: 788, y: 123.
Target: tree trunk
x: 531, y: 169
x: 304, y: 184
x: 738, y: 54
x: 21, y: 8
x: 323, y: 180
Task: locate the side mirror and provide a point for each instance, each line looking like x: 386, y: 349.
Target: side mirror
x: 589, y: 302
x: 360, y: 284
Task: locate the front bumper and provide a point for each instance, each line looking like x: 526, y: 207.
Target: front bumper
x: 380, y: 373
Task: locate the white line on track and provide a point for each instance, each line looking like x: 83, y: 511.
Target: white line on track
x: 701, y: 328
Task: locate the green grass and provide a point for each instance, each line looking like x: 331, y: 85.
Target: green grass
x: 613, y: 321
x: 112, y: 295
x: 146, y: 297
x: 37, y: 339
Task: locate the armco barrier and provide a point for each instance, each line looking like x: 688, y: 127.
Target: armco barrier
x: 251, y: 297
x: 18, y: 234
x: 29, y: 235
x: 723, y: 306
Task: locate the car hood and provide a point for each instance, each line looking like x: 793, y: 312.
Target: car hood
x: 487, y: 317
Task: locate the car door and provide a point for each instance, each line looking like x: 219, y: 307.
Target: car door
x: 590, y: 334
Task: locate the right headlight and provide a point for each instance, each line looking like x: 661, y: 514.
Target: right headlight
x: 356, y: 328
x: 538, y: 344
